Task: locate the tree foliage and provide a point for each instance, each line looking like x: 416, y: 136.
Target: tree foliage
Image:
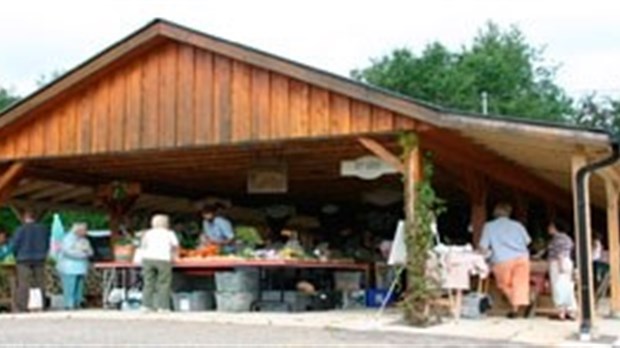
x: 6, y: 98
x: 498, y: 62
x: 595, y: 112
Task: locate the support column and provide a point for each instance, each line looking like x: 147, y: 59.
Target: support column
x: 10, y: 179
x: 613, y: 235
x: 477, y: 187
x: 583, y: 245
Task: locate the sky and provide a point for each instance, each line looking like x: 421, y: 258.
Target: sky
x: 583, y: 37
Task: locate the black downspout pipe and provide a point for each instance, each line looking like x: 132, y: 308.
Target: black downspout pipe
x: 587, y: 311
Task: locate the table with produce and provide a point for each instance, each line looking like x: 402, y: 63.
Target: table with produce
x: 251, y: 275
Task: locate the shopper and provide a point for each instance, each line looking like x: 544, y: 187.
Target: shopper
x: 159, y: 247
x: 30, y: 245
x: 507, y: 240
x: 561, y: 270
x: 216, y: 228
x: 73, y: 265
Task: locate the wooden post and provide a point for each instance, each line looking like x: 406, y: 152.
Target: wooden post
x: 584, y: 249
x: 477, y: 187
x: 613, y: 235
x: 10, y: 179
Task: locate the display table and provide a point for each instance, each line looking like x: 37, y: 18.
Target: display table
x: 117, y: 274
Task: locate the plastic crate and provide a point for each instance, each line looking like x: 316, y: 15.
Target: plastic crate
x: 246, y: 280
x: 347, y: 281
x: 375, y: 297
x: 194, y: 301
x: 239, y: 301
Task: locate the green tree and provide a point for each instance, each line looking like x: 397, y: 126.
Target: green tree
x: 604, y: 113
x: 499, y: 62
x: 6, y: 98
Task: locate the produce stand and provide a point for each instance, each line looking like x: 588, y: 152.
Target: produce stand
x: 113, y: 271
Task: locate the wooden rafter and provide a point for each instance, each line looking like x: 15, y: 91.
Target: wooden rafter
x: 383, y: 153
x: 10, y: 179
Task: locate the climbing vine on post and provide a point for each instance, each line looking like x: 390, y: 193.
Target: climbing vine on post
x: 422, y: 207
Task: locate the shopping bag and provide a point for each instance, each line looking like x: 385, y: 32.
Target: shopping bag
x: 137, y: 256
x: 35, y: 299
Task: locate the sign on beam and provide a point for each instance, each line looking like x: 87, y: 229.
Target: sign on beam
x: 366, y: 167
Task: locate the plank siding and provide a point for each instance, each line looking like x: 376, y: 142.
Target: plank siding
x: 133, y: 108
x: 150, y: 102
x: 222, y: 99
x: 299, y: 112
x: 261, y: 124
x: 85, y: 116
x: 319, y: 112
x: 167, y: 96
x: 185, y: 97
x: 203, y: 101
x: 280, y: 120
x: 340, y: 115
x: 181, y: 96
x: 360, y: 117
x: 241, y: 103
x: 116, y: 117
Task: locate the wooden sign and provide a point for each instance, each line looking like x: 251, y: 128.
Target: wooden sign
x: 268, y: 179
x: 367, y: 168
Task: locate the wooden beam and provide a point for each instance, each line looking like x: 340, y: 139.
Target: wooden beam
x: 613, y: 235
x: 10, y: 179
x: 453, y: 147
x: 380, y: 151
x: 583, y: 246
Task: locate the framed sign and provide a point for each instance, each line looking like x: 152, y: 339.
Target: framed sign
x: 268, y: 179
x: 367, y: 168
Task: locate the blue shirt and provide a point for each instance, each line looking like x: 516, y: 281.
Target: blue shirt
x: 219, y: 230
x: 5, y: 251
x: 507, y: 239
x: 74, y: 254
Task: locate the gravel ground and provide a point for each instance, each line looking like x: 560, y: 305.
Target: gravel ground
x: 39, y: 332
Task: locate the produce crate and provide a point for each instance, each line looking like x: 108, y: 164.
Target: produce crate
x: 375, y: 297
x: 298, y: 301
x: 347, y: 281
x: 194, y: 301
x: 239, y: 301
x: 240, y: 280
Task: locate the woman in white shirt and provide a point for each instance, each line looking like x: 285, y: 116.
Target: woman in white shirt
x: 159, y: 248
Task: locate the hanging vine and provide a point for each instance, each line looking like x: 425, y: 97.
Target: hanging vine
x: 422, y: 208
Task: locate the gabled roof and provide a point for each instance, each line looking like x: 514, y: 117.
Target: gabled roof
x: 159, y: 30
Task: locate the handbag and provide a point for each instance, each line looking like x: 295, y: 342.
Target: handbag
x: 35, y: 299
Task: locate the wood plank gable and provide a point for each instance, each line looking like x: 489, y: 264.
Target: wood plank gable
x: 179, y: 95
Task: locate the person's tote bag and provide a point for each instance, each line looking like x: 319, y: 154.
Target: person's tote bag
x: 35, y: 299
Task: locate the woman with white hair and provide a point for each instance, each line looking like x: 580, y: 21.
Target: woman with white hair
x: 73, y: 265
x: 159, y: 246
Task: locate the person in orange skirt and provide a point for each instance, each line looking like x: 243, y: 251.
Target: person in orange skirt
x: 507, y: 242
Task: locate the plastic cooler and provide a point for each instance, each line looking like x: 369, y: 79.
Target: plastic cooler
x: 375, y: 297
x: 192, y: 301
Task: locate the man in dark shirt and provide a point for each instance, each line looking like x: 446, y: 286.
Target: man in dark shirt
x: 30, y: 245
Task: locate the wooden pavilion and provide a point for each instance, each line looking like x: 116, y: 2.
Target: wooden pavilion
x: 186, y: 115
